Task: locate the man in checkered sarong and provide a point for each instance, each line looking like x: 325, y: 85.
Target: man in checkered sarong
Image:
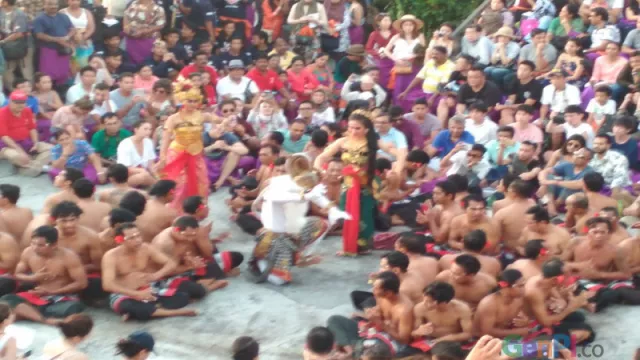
x: 287, y: 232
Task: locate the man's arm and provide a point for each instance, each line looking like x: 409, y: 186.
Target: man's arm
x: 10, y: 253
x: 405, y: 326
x: 168, y: 265
x: 539, y: 308
x: 95, y: 252
x: 76, y: 273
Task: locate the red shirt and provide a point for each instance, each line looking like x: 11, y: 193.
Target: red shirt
x: 187, y: 70
x: 301, y: 82
x: 16, y: 127
x: 268, y: 81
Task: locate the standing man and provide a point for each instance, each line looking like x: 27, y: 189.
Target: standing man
x: 54, y: 31
x: 15, y: 43
x: 19, y: 137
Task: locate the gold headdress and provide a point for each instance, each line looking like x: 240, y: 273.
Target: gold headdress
x: 365, y: 113
x: 184, y: 90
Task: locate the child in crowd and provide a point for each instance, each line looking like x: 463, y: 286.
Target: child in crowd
x: 599, y: 107
x: 144, y: 79
x: 48, y: 99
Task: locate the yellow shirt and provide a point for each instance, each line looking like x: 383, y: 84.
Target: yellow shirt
x: 434, y: 75
x: 285, y: 61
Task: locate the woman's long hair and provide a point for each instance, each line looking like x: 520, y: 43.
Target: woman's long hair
x: 364, y: 118
x: 576, y: 137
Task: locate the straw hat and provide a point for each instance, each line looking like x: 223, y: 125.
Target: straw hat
x: 505, y: 31
x: 398, y: 23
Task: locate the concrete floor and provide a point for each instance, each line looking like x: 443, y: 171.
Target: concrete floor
x: 278, y: 317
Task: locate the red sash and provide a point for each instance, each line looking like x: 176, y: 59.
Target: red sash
x: 188, y: 162
x: 351, y: 228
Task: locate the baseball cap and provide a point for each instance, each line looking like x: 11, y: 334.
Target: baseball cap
x: 236, y: 64
x: 18, y: 95
x: 143, y: 339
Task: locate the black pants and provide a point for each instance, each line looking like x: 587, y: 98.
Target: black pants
x: 94, y: 291
x: 7, y: 286
x: 139, y: 310
x: 574, y: 321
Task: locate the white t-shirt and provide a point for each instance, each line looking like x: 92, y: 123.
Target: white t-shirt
x: 129, y: 156
x: 609, y: 108
x: 75, y: 93
x: 228, y: 87
x: 559, y: 100
x: 482, y: 133
x: 580, y: 130
x: 459, y: 166
x: 103, y: 109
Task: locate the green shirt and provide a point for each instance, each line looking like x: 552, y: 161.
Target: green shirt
x: 556, y: 28
x: 293, y: 147
x: 107, y: 146
x: 346, y: 68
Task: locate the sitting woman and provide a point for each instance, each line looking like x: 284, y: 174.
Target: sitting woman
x: 567, y: 25
x: 302, y: 81
x: 572, y: 62
x: 565, y: 153
x: 77, y: 154
x: 137, y: 153
x: 323, y: 112
x: 49, y: 102
x: 223, y: 151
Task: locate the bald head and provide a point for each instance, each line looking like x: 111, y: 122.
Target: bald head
x: 366, y: 83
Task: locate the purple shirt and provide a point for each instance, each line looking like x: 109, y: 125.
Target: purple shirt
x: 411, y: 131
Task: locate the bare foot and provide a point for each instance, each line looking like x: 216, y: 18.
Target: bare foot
x: 233, y: 272
x: 125, y: 317
x: 233, y: 217
x: 591, y: 307
x: 53, y: 322
x: 345, y: 254
x: 186, y: 312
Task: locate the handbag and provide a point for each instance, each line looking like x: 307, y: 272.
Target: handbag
x: 402, y: 69
x: 329, y: 43
x: 15, y: 49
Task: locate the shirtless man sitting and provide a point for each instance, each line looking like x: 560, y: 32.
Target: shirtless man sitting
x: 461, y: 184
x: 117, y: 217
x: 181, y: 242
x: 58, y: 275
x: 469, y: 283
x: 474, y: 218
x: 118, y: 176
x: 411, y: 283
x: 228, y: 261
x: 619, y: 233
x: 391, y: 318
x: 38, y: 220
x: 133, y: 201
x: 13, y: 219
x: 412, y: 245
x: 157, y: 215
x: 438, y: 218
x: 509, y: 198
x: 556, y: 239
x: 474, y: 242
x: 535, y: 254
x: 81, y: 240
x: 511, y: 219
x: 63, y: 181
x: 579, y: 211
x: 133, y: 273
x: 9, y: 256
x: 593, y: 183
x: 439, y: 317
x: 595, y: 261
x: 543, y: 290
x: 501, y: 314
x: 92, y: 211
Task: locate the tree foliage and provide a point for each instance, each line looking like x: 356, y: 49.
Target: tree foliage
x: 432, y: 12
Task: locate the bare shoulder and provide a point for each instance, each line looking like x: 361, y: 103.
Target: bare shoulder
x: 461, y: 306
x: 87, y: 232
x: 443, y: 275
x: 488, y: 280
x: 70, y: 257
x: 457, y: 219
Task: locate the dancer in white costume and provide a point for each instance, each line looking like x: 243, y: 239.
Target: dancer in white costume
x: 288, y: 234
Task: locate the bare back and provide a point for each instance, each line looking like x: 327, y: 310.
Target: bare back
x: 16, y: 220
x: 511, y: 220
x: 155, y: 218
x: 92, y: 213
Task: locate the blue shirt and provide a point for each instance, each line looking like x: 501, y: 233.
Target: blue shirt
x: 32, y: 103
x: 78, y: 159
x: 293, y: 147
x: 395, y: 137
x: 443, y: 142
x: 566, y: 171
x: 229, y: 139
x: 58, y: 25
x: 630, y: 150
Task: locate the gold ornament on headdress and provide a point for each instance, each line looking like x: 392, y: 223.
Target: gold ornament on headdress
x: 184, y: 90
x: 364, y: 113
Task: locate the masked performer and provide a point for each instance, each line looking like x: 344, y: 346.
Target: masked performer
x: 287, y: 233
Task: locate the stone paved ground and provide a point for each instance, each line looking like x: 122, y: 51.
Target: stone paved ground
x: 278, y: 317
